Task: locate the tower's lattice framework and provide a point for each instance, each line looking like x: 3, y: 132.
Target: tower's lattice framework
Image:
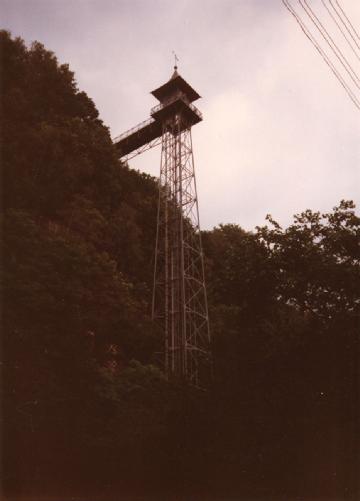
x: 179, y: 294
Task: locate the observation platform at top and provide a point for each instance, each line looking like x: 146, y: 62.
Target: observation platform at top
x: 176, y: 97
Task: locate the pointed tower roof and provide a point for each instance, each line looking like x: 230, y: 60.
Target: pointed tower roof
x: 175, y: 83
x: 175, y: 74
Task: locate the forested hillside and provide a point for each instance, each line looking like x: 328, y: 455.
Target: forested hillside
x: 86, y: 407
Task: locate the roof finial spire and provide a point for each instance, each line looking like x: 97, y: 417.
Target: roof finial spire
x: 176, y: 59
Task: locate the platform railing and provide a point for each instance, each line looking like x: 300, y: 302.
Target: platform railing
x: 154, y: 110
x: 160, y: 106
x: 133, y: 130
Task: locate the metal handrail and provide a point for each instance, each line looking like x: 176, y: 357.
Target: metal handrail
x: 196, y: 110
x: 133, y: 130
x: 155, y: 109
x: 160, y: 106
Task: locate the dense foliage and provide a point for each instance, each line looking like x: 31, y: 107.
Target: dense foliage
x: 87, y: 409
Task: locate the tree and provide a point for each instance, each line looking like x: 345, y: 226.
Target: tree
x: 72, y: 285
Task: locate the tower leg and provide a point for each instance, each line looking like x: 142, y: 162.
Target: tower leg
x: 179, y: 293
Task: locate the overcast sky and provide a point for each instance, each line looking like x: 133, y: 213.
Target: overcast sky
x: 279, y: 135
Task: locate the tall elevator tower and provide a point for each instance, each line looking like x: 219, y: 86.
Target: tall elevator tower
x: 179, y: 294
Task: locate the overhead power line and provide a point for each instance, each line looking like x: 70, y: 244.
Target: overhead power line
x: 344, y: 23
x: 348, y: 20
x: 330, y: 41
x: 324, y: 56
x: 340, y: 29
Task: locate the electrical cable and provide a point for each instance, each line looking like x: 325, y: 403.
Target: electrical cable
x: 322, y: 53
x: 341, y: 19
x: 348, y: 20
x: 340, y: 28
x: 333, y: 46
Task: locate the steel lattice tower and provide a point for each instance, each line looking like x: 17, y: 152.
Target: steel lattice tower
x: 179, y: 294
